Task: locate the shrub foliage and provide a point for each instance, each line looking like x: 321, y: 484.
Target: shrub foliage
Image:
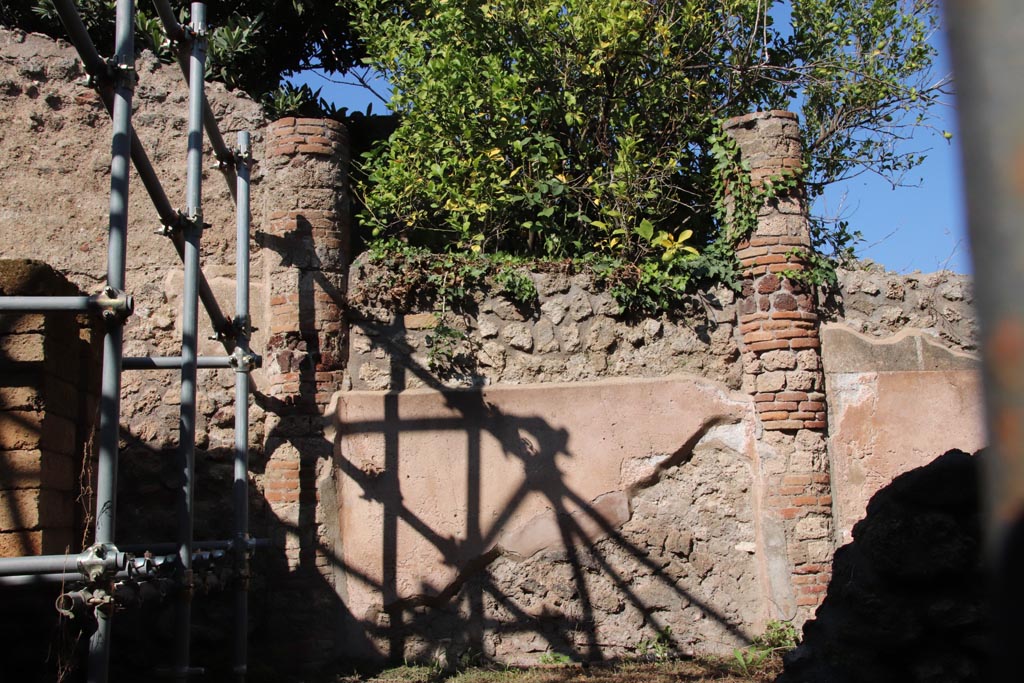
x: 573, y: 127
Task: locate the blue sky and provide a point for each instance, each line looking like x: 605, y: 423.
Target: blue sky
x: 918, y: 226
x: 922, y: 226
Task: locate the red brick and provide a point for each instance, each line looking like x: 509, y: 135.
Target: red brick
x: 795, y: 334
x: 757, y: 336
x: 811, y: 343
x: 773, y: 416
x: 783, y: 425
x: 820, y: 478
x: 791, y: 396
x: 289, y: 140
x: 283, y: 122
x: 812, y: 406
x: 776, y: 406
x: 804, y: 501
x: 783, y: 267
x: 768, y: 346
x: 806, y: 600
x: 276, y: 464
x: 762, y: 240
x: 750, y: 317
x: 794, y: 315
x: 312, y: 128
x: 751, y: 327
x: 825, y: 500
x: 813, y: 589
x: 796, y: 479
x: 282, y: 496
x: 802, y: 416
x: 811, y: 569
x: 322, y: 150
x: 791, y: 490
x: 768, y: 259
x: 763, y: 398
x: 282, y: 150
x: 789, y: 513
x: 782, y: 324
x: 321, y: 140
x: 744, y: 252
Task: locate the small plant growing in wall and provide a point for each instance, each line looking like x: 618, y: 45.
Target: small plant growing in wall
x: 660, y: 648
x: 555, y: 659
x: 778, y: 638
x: 516, y: 286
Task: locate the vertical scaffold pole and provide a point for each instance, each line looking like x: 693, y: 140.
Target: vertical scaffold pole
x: 113, y: 340
x: 190, y: 335
x: 240, y: 491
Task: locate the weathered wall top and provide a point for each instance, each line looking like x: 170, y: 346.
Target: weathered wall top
x: 880, y: 303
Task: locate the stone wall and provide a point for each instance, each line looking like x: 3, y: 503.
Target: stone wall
x: 698, y: 495
x: 879, y: 303
x: 572, y: 332
x: 579, y: 518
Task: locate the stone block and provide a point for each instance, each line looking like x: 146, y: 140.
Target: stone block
x: 21, y: 348
x: 21, y: 543
x: 771, y: 381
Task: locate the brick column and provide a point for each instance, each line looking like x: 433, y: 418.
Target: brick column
x: 305, y: 251
x: 778, y: 327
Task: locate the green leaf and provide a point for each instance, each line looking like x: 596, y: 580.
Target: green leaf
x: 645, y: 229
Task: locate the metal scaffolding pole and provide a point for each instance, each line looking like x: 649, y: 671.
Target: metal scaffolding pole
x: 240, y: 491
x: 174, y: 362
x: 988, y: 61
x: 113, y: 340
x: 43, y: 304
x: 103, y: 570
x: 190, y: 336
x: 177, y: 33
x: 96, y: 67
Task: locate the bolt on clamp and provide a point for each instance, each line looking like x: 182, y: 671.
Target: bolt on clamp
x: 114, y: 304
x: 243, y: 360
x: 101, y: 560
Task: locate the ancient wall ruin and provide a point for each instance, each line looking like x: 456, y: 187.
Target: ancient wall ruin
x: 588, y: 484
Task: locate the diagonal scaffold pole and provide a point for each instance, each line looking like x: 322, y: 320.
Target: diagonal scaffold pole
x: 98, y: 69
x: 177, y: 33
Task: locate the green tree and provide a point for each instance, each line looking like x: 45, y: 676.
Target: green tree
x: 572, y: 127
x: 253, y: 43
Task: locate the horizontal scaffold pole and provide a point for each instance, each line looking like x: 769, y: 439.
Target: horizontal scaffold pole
x: 174, y: 362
